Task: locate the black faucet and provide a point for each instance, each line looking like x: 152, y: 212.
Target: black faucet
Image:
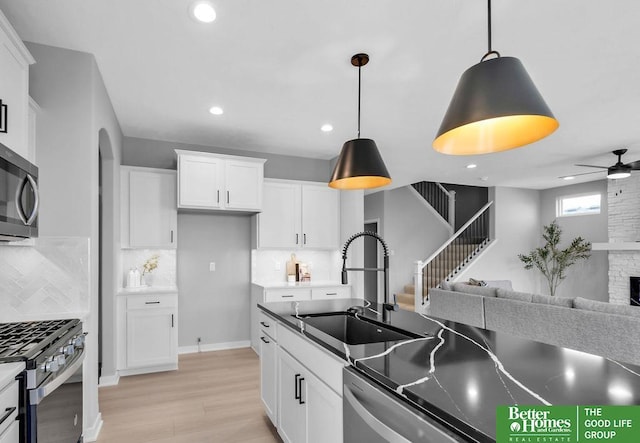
x: 387, y: 306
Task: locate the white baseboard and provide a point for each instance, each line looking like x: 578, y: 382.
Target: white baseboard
x: 110, y: 380
x: 91, y: 434
x: 148, y: 370
x: 214, y: 347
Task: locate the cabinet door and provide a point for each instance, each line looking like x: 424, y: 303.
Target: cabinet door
x: 292, y: 419
x: 11, y: 434
x: 153, y: 216
x: 320, y: 217
x: 151, y: 337
x: 324, y: 411
x: 243, y: 185
x: 269, y: 376
x: 14, y: 93
x: 200, y: 181
x: 279, y: 223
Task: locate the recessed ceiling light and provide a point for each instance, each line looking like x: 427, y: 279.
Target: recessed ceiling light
x: 471, y: 166
x: 568, y: 177
x: 326, y: 128
x: 202, y: 10
x: 216, y: 110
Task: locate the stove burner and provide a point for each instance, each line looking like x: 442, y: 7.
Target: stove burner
x: 26, y: 340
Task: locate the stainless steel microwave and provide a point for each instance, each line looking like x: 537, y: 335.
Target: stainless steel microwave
x: 19, y: 198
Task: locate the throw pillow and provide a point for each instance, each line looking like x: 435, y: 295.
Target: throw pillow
x: 474, y: 282
x: 609, y: 308
x: 549, y: 300
x: 476, y: 290
x: 447, y: 286
x: 514, y: 295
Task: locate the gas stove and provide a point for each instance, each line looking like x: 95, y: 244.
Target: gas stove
x: 45, y: 346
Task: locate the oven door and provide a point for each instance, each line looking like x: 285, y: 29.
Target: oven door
x: 55, y: 408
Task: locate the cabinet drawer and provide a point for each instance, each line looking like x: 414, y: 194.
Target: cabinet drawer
x: 267, y: 325
x: 152, y: 301
x: 333, y: 292
x: 8, y: 400
x: 286, y: 294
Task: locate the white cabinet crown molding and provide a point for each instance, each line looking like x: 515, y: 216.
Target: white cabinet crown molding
x: 221, y: 156
x: 15, y: 39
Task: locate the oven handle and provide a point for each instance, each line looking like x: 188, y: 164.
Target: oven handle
x: 380, y: 428
x: 38, y: 394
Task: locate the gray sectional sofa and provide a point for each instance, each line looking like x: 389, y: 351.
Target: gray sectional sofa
x: 600, y: 328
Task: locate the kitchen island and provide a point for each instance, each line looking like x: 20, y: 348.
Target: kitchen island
x: 460, y: 374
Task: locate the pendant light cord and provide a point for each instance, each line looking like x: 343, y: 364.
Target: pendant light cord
x: 359, y: 86
x: 490, y: 51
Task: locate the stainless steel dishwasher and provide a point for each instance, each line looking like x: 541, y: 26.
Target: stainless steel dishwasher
x: 372, y: 415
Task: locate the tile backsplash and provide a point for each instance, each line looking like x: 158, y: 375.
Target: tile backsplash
x: 47, y: 276
x: 163, y: 276
x: 269, y: 266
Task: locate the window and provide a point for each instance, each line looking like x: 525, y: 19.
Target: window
x: 578, y: 205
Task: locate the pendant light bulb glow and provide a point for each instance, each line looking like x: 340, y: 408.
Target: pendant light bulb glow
x: 360, y: 165
x: 495, y: 107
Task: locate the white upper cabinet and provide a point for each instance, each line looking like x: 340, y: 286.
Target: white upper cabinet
x: 299, y: 215
x: 219, y: 182
x: 320, y: 217
x: 148, y: 208
x: 14, y: 89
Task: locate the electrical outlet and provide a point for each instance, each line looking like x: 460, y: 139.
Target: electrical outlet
x: 212, y: 266
x: 278, y: 266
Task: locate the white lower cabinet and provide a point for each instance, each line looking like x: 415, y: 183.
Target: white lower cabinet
x: 301, y: 385
x: 11, y: 434
x: 150, y: 336
x: 269, y: 374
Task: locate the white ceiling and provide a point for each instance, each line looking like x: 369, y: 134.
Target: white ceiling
x: 280, y: 69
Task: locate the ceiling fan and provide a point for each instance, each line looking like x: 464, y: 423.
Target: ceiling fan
x: 619, y: 170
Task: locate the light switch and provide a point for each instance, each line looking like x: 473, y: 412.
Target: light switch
x: 278, y: 266
x: 212, y: 266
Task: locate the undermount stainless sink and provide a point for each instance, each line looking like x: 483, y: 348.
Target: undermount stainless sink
x: 353, y: 330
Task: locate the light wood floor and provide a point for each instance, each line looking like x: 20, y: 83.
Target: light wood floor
x: 213, y: 397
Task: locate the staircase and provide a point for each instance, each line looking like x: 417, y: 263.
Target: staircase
x: 448, y: 260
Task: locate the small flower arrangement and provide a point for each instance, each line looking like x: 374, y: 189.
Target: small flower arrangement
x: 150, y: 264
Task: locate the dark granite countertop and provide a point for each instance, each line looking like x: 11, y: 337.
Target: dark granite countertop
x: 461, y: 373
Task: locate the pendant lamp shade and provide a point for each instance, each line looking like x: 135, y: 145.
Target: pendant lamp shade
x: 495, y: 107
x: 360, y: 165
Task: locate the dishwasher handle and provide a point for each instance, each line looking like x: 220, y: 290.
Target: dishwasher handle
x: 381, y: 429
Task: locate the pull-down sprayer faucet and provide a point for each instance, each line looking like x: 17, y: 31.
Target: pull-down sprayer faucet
x: 387, y: 306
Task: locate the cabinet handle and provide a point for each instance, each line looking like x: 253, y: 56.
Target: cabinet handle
x: 218, y: 195
x: 304, y: 239
x: 172, y: 320
x: 227, y: 197
x: 331, y: 293
x: 266, y: 325
x: 300, y: 383
x: 7, y: 414
x: 287, y: 296
x: 298, y: 394
x: 265, y: 340
x: 152, y: 303
x: 172, y: 236
x: 297, y: 238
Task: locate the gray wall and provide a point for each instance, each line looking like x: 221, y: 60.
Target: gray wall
x: 588, y: 279
x: 214, y: 305
x: 159, y: 154
x: 516, y: 228
x: 410, y: 229
x: 75, y: 109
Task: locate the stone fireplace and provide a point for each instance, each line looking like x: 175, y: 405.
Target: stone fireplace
x: 624, y: 236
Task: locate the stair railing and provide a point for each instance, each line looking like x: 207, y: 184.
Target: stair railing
x: 453, y: 255
x: 440, y: 199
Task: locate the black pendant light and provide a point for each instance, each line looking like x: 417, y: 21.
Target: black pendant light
x: 360, y: 164
x: 496, y: 107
